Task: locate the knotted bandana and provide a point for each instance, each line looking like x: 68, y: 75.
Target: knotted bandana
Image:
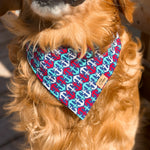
x: 75, y: 82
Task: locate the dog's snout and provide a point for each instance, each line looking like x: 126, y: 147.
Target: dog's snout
x: 54, y: 8
x: 55, y: 2
x: 48, y: 2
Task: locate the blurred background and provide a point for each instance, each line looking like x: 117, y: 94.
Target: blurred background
x: 11, y: 140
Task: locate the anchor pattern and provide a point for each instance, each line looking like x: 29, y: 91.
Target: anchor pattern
x: 70, y: 79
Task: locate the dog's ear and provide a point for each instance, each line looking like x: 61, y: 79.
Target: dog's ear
x: 6, y: 5
x: 126, y: 7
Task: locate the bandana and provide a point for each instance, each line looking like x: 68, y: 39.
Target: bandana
x: 75, y: 82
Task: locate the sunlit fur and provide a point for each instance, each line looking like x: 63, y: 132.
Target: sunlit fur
x: 112, y: 121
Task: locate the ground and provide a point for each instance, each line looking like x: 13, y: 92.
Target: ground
x: 9, y: 139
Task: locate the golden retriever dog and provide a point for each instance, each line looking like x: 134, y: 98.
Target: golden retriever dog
x: 80, y: 25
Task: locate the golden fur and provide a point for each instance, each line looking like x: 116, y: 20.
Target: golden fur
x: 112, y: 122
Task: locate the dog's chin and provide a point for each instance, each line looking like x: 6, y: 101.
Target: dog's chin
x: 55, y: 11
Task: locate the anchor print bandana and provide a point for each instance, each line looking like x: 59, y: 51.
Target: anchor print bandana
x: 74, y: 82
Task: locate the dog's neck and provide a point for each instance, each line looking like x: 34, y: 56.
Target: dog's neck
x: 72, y: 31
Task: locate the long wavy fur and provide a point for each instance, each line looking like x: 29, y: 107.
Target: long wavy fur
x: 49, y: 125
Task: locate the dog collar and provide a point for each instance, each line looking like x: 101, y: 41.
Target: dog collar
x: 75, y: 82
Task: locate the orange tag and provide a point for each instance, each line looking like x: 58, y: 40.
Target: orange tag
x: 101, y: 81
